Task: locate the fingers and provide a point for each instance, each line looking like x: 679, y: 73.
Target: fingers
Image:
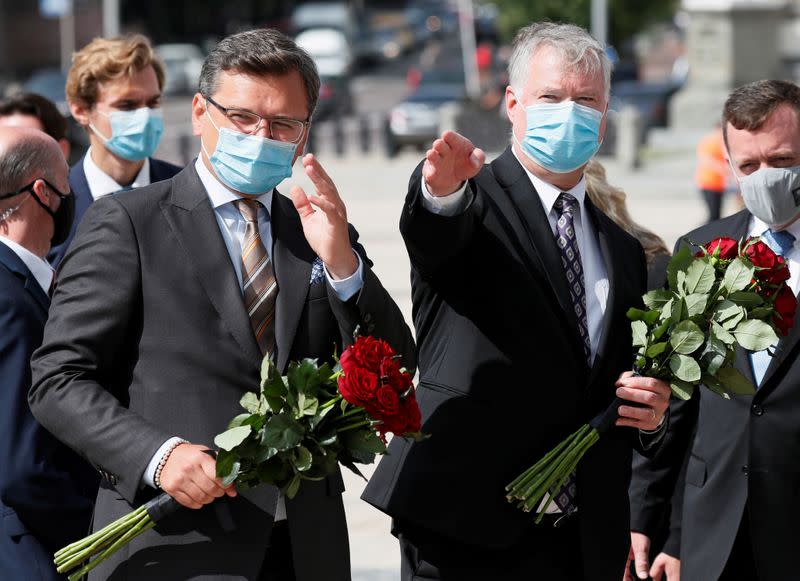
x: 301, y: 202
x: 189, y: 476
x: 319, y: 177
x: 641, y: 563
x: 626, y: 575
x: 657, y: 571
x: 652, y: 397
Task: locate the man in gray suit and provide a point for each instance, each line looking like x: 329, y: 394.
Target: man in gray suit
x: 167, y: 304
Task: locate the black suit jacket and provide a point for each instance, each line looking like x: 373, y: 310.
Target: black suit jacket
x: 148, y: 338
x: 159, y: 170
x: 46, y: 490
x: 744, y: 452
x: 503, y: 376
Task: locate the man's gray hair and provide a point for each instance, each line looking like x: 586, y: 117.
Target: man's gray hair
x: 25, y: 160
x: 260, y: 52
x: 579, y: 50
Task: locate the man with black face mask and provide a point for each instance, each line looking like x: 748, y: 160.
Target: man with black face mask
x: 736, y: 507
x: 46, y: 490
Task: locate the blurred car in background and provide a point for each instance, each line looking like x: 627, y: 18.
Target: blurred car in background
x: 182, y: 65
x: 340, y: 16
x: 416, y: 120
x: 335, y: 98
x: 650, y: 99
x: 329, y: 48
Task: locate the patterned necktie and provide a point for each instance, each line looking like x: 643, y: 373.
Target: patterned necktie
x: 566, y: 205
x: 258, y: 279
x: 781, y: 242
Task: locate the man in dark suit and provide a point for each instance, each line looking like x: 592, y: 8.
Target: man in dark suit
x: 738, y: 492
x: 46, y: 490
x: 114, y: 91
x: 520, y: 289
x: 169, y: 299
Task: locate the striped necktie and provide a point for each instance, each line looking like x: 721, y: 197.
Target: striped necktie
x: 258, y: 279
x: 781, y: 242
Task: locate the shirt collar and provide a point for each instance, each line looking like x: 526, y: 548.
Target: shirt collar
x: 219, y: 194
x: 101, y: 184
x: 39, y: 267
x: 758, y: 227
x: 548, y: 193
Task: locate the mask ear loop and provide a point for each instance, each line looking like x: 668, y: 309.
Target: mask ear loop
x: 8, y: 212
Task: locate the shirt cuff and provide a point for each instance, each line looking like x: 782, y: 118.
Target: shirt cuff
x: 649, y: 438
x: 345, y: 288
x: 149, y: 476
x: 449, y: 205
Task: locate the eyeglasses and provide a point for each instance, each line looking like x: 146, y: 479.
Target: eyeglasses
x: 280, y: 128
x: 29, y: 188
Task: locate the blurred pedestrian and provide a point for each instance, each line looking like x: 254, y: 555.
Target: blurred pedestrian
x: 114, y: 91
x: 32, y: 110
x: 711, y: 175
x: 46, y: 490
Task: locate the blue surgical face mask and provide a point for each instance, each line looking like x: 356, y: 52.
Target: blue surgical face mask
x: 561, y: 137
x: 248, y: 163
x: 134, y: 134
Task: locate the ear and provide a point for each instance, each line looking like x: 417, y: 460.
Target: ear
x: 511, y: 103
x: 64, y: 145
x: 41, y: 191
x: 198, y: 110
x: 80, y: 113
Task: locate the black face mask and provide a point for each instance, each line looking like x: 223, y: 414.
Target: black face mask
x: 62, y: 218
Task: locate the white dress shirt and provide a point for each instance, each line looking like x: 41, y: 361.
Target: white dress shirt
x: 101, y: 184
x: 39, y: 267
x: 232, y: 226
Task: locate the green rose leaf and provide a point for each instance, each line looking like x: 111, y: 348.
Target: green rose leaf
x: 264, y: 454
x: 696, y: 304
x: 363, y: 441
x: 714, y: 355
x: 274, y: 391
x: 304, y: 376
x: 738, y: 275
x: 294, y: 485
x: 282, y: 432
x: 228, y: 466
x: 656, y: 299
x: 761, y: 313
x: 686, y: 337
x: 659, y: 331
x: 681, y: 276
x: 229, y: 439
x: 722, y: 334
x: 251, y: 402
x: 735, y: 382
x: 700, y: 277
x: 755, y: 335
x: 679, y: 262
x: 303, y: 459
x: 681, y: 389
x: 747, y: 300
x: 684, y: 368
x: 713, y: 384
x: 639, y: 330
x: 678, y: 311
x: 238, y: 420
x: 656, y: 349
x: 320, y: 415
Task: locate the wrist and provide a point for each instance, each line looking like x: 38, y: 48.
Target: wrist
x: 442, y: 191
x: 163, y: 461
x: 344, y: 267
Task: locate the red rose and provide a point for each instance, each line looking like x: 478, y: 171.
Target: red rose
x: 778, y: 274
x: 393, y: 375
x: 728, y: 248
x: 358, y: 386
x: 761, y: 255
x: 366, y: 352
x: 785, y: 309
x: 407, y: 419
x: 387, y: 403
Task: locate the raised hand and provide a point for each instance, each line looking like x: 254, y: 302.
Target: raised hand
x: 190, y: 477
x: 450, y: 161
x: 325, y: 227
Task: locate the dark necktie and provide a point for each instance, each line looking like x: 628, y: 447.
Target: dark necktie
x: 258, y: 279
x: 781, y: 242
x: 566, y: 205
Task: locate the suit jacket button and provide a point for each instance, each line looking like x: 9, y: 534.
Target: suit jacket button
x: 745, y: 470
x: 757, y: 410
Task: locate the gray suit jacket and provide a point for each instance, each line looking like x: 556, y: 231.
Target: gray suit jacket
x: 148, y: 338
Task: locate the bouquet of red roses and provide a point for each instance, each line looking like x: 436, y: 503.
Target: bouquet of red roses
x: 300, y: 426
x: 728, y: 294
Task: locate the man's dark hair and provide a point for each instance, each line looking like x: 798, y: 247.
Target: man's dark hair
x: 260, y: 52
x: 43, y: 109
x: 749, y: 106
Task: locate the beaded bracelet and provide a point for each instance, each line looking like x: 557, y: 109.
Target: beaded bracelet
x: 163, y: 461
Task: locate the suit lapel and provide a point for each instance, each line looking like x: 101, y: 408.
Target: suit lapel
x: 613, y: 271
x: 529, y: 223
x: 292, y: 260
x: 192, y: 220
x: 14, y: 264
